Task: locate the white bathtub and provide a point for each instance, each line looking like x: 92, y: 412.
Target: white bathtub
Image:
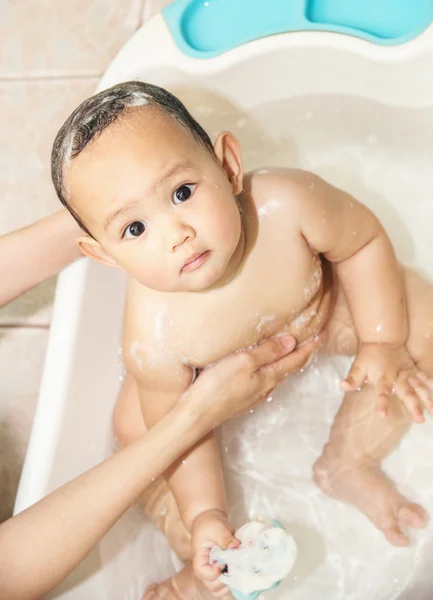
x: 358, y: 114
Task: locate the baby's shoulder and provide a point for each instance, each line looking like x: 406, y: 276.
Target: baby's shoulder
x: 280, y: 191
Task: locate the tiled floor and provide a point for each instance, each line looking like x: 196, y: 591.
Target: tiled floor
x: 51, y: 56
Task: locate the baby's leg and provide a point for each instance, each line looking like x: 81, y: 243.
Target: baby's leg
x: 157, y: 500
x: 349, y: 468
x: 158, y: 503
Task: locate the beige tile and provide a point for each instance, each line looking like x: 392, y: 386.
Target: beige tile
x: 21, y: 360
x: 51, y: 38
x: 30, y: 114
x: 151, y: 7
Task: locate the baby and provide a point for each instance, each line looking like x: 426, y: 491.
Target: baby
x: 218, y: 260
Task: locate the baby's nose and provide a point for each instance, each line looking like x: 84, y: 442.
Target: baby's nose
x: 177, y: 233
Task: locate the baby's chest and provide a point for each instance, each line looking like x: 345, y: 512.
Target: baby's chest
x: 269, y: 305
x: 212, y: 336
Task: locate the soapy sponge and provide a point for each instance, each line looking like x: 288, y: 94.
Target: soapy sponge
x: 265, y: 557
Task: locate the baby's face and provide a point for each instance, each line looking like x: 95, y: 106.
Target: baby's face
x: 159, y: 204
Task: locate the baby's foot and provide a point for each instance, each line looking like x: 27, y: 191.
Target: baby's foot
x: 368, y: 488
x: 183, y: 586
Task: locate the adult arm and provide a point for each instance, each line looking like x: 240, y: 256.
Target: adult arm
x: 42, y: 545
x: 35, y: 253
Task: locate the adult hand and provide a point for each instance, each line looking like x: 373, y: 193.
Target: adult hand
x: 241, y: 380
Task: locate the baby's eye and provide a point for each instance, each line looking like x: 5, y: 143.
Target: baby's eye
x: 134, y: 230
x: 183, y: 193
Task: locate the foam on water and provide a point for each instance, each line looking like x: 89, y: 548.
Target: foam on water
x: 383, y: 156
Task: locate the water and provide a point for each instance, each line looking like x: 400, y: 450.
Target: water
x: 268, y: 470
x: 383, y: 156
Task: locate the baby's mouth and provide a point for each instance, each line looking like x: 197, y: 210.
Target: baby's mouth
x: 195, y: 261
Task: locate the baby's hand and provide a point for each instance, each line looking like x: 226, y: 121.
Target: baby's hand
x: 391, y: 370
x: 211, y: 528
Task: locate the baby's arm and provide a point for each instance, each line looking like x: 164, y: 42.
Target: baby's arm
x: 347, y: 233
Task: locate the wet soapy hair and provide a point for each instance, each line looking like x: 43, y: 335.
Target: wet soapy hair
x: 97, y: 113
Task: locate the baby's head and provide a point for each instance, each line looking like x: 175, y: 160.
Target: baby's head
x: 150, y: 191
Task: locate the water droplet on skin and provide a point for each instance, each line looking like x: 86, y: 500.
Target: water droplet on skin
x: 184, y: 462
x: 251, y: 411
x: 379, y: 328
x: 153, y: 479
x: 269, y: 399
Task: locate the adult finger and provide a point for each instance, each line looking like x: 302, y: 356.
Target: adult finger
x: 292, y: 362
x: 272, y: 349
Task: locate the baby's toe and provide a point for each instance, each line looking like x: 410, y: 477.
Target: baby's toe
x: 412, y: 515
x: 395, y: 536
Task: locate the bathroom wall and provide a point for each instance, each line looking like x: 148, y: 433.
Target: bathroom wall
x: 52, y: 54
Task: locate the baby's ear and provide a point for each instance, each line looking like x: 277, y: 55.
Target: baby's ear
x: 228, y: 152
x: 93, y: 249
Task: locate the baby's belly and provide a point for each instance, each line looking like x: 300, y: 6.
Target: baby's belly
x: 314, y: 317
x: 240, y: 333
